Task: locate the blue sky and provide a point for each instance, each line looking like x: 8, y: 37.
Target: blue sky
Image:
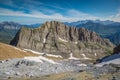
x: 39, y: 11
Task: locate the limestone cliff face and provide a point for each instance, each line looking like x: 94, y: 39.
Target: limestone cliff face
x: 56, y: 38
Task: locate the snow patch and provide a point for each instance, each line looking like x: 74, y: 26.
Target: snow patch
x: 47, y: 60
x: 76, y: 42
x: 72, y: 57
x: 36, y: 59
x: 40, y: 59
x: 63, y: 40
x: 44, y: 40
x: 95, y: 54
x: 18, y: 49
x: 57, y: 56
x: 33, y: 51
x: 84, y: 56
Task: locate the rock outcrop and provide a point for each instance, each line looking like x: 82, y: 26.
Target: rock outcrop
x: 117, y: 49
x: 56, y: 38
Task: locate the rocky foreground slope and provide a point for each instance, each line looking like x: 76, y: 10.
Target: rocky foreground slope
x: 22, y: 69
x: 56, y: 38
x: 43, y: 68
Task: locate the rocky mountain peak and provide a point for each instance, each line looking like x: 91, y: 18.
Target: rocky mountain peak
x: 57, y: 38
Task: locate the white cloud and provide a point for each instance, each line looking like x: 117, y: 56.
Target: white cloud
x: 35, y: 14
x: 80, y: 15
x: 11, y: 12
x: 115, y: 17
x: 70, y: 16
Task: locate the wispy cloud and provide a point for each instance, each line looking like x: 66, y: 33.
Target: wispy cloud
x: 35, y: 14
x: 9, y: 12
x: 31, y: 5
x: 71, y: 15
x: 115, y: 17
x: 67, y: 11
x: 40, y: 10
x: 77, y: 14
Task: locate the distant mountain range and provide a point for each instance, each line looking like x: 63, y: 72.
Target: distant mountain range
x: 115, y: 38
x: 106, y: 29
x: 107, y: 22
x: 9, y: 29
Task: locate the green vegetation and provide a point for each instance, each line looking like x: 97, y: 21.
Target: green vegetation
x: 80, y: 45
x: 9, y: 78
x: 108, y: 51
x: 7, y: 35
x: 92, y: 45
x: 51, y: 29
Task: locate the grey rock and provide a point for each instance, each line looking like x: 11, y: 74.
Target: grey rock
x: 117, y: 49
x: 39, y: 69
x: 56, y: 38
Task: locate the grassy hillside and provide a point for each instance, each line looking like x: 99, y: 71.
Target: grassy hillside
x: 7, y: 51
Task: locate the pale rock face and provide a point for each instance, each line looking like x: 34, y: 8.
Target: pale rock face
x: 56, y: 38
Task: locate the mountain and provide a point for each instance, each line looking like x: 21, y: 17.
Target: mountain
x: 7, y: 52
x: 111, y: 59
x: 106, y: 29
x: 32, y: 25
x: 115, y: 38
x: 101, y: 29
x: 107, y: 22
x: 9, y: 29
x: 76, y: 23
x: 117, y: 49
x: 10, y: 25
x: 57, y: 38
